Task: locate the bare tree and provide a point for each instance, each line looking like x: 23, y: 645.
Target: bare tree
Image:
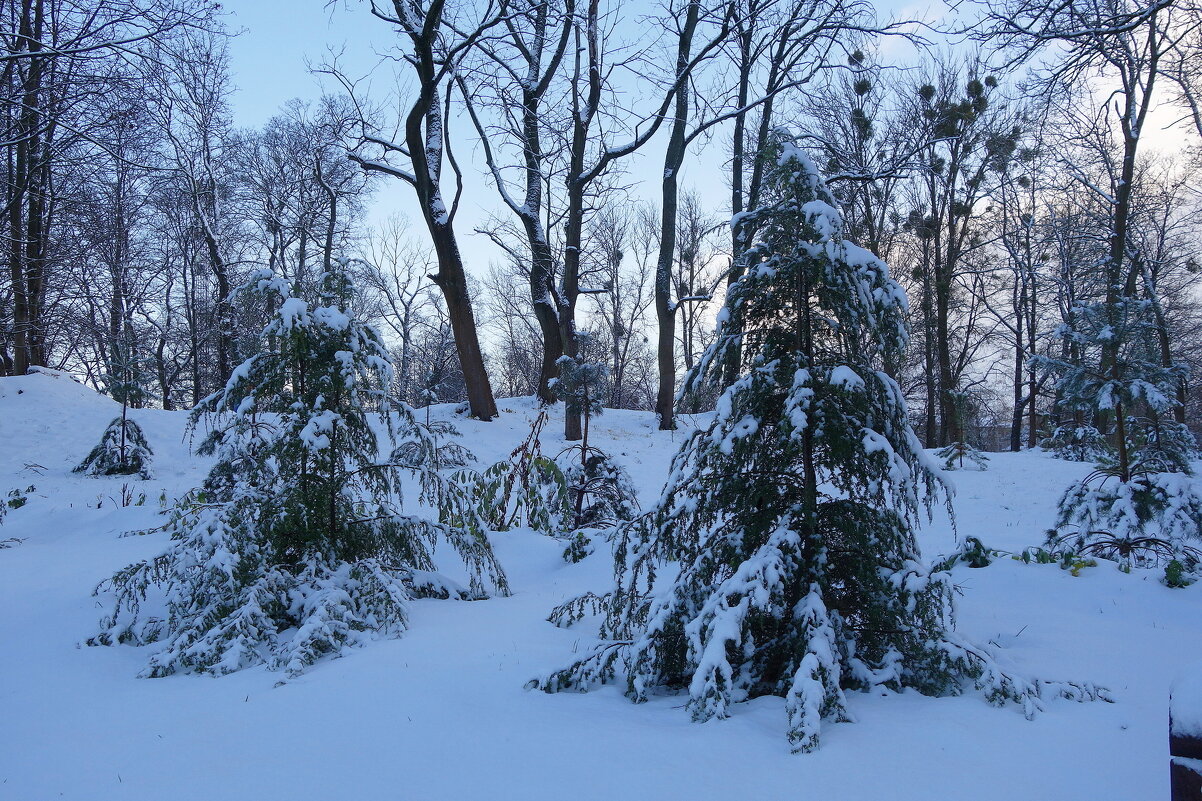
x: 517, y: 72
x: 1020, y: 196
x: 57, y: 58
x: 434, y: 41
x: 192, y: 81
x: 623, y: 240
x: 590, y: 156
x: 396, y: 268
x: 1126, y: 43
x: 517, y: 348
x: 305, y: 198
x: 698, y: 271
x: 967, y: 140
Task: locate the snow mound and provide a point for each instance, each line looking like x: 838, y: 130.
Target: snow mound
x: 49, y: 417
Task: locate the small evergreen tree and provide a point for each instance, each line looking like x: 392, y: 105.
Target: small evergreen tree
x: 791, y: 515
x: 581, y: 386
x: 123, y: 449
x: 1077, y: 444
x: 295, y: 546
x: 599, y: 490
x: 128, y: 379
x: 953, y: 455
x: 1141, y: 505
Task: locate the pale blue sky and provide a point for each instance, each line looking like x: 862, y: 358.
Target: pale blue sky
x: 281, y: 37
x: 269, y: 58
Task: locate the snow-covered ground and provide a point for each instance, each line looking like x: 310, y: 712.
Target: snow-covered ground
x: 442, y: 713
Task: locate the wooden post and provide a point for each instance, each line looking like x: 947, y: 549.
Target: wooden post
x: 1185, y: 738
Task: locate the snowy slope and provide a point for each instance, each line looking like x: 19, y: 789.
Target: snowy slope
x: 441, y: 713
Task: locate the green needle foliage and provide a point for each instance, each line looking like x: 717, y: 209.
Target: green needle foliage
x: 790, y: 518
x: 296, y: 547
x: 122, y: 451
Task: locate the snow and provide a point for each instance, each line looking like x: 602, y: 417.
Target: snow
x: 737, y: 219
x: 846, y: 378
x: 1186, y: 705
x: 317, y: 431
x: 825, y: 218
x: 294, y: 313
x: 442, y: 713
x: 331, y: 318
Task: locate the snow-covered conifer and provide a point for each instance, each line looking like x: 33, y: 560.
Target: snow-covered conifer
x: 128, y: 378
x: 1162, y: 446
x: 1076, y: 444
x: 790, y: 516
x: 122, y: 451
x: 599, y: 489
x: 295, y: 546
x: 580, y: 385
x: 1141, y: 505
x: 954, y: 456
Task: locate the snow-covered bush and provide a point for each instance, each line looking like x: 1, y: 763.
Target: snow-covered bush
x: 295, y: 546
x: 1154, y: 519
x: 953, y: 456
x: 971, y: 552
x: 528, y: 489
x: 1076, y: 444
x: 791, y: 516
x: 15, y: 499
x: 1161, y: 446
x: 122, y: 451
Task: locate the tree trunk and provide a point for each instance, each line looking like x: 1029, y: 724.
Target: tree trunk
x: 665, y: 309
x: 22, y: 206
x: 452, y: 280
x: 1016, y: 419
x: 425, y: 133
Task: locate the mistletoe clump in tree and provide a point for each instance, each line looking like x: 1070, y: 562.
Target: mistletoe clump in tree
x: 295, y: 546
x: 123, y: 449
x: 791, y: 515
x: 1141, y: 506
